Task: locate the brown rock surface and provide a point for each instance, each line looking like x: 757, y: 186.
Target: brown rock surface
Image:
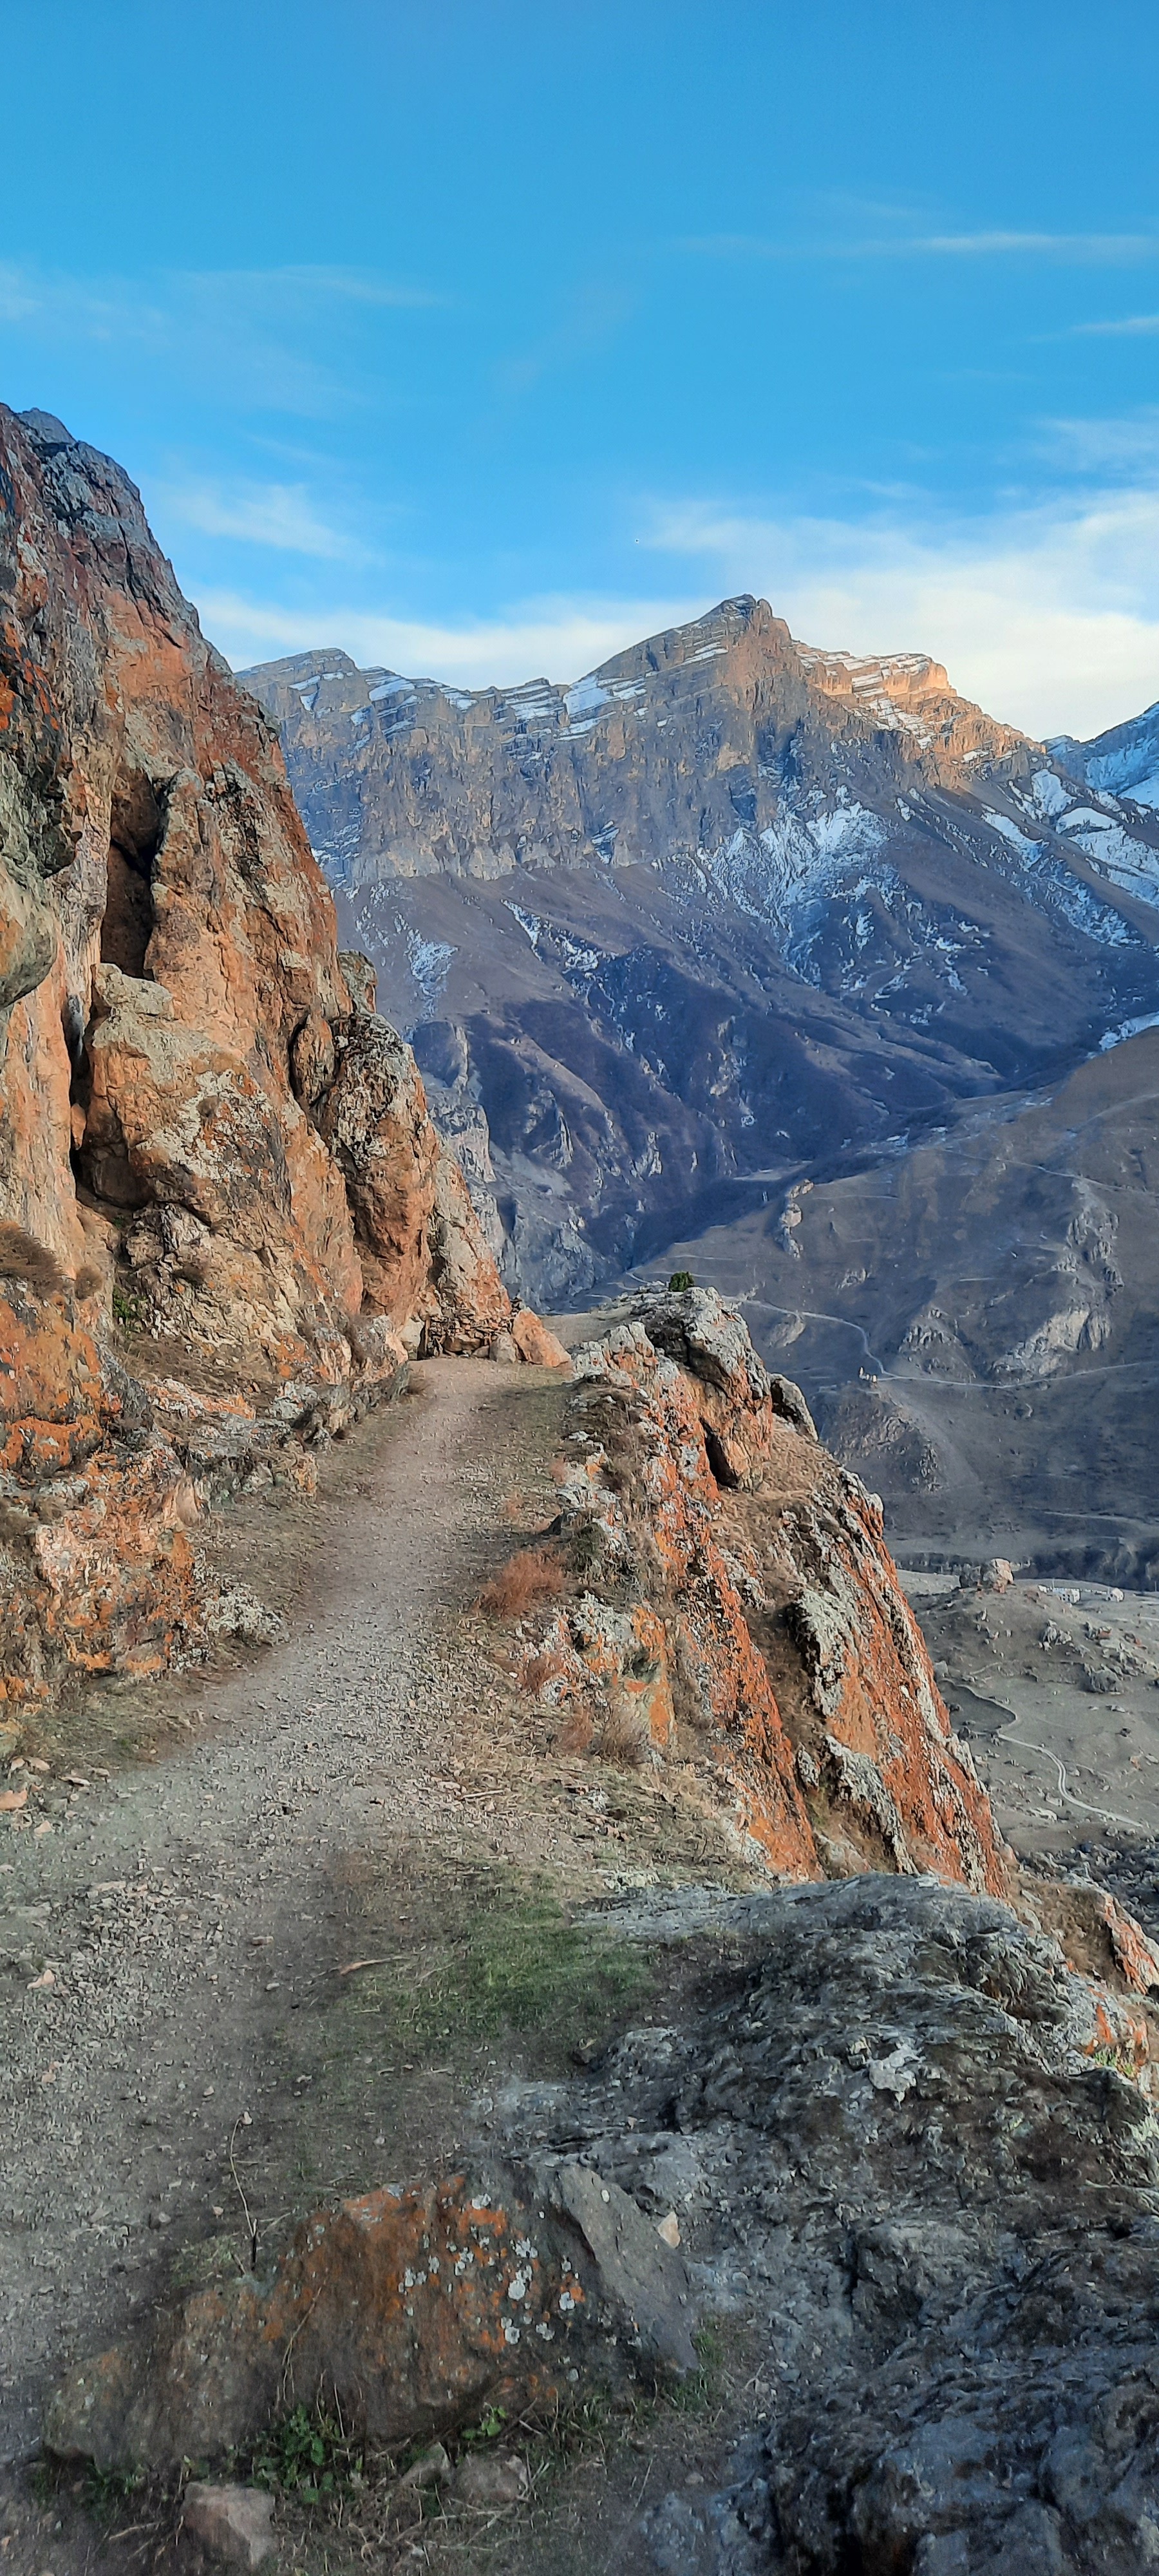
x: 535, y: 1343
x: 742, y: 1607
x: 181, y: 1142
x: 416, y: 2308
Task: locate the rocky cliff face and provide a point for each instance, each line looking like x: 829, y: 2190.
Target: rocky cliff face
x: 406, y: 778
x: 213, y: 1157
x: 736, y: 1613
x: 724, y: 913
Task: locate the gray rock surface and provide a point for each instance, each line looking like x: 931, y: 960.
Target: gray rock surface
x: 885, y: 2142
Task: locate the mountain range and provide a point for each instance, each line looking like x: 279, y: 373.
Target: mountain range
x: 734, y: 920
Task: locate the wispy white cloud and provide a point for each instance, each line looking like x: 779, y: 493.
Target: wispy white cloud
x: 990, y: 245
x: 553, y: 639
x: 1081, y: 247
x: 1133, y: 326
x: 1047, y: 616
x: 1128, y: 445
x: 261, y: 514
x: 305, y: 282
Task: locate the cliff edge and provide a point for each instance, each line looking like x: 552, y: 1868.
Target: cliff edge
x: 226, y: 1218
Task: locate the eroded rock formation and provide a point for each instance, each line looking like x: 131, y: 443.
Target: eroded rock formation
x: 214, y: 1160
x: 741, y: 1613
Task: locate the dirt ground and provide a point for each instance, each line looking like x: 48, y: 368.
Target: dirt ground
x: 273, y: 1932
x: 1057, y: 1689
x: 280, y: 1930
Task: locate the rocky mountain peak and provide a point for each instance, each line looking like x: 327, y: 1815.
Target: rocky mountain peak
x: 1123, y: 761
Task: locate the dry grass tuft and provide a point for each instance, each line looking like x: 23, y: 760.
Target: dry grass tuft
x: 548, y: 1666
x: 532, y: 1576
x: 624, y: 1740
x: 577, y: 1732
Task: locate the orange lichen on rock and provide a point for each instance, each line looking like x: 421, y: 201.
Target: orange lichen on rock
x: 785, y: 1659
x: 415, y: 2309
x: 205, y: 1131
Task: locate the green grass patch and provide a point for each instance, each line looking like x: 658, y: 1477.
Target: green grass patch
x: 702, y: 2386
x: 107, y: 2492
x: 498, y: 1954
x: 306, y: 2454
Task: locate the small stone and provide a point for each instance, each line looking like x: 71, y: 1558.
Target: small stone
x: 669, y: 2229
x: 430, y: 2467
x: 231, y: 2524
x: 491, y: 2478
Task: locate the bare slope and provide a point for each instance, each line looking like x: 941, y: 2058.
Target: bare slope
x: 976, y: 1322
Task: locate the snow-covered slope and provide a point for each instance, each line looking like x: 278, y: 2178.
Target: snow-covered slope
x: 1124, y: 761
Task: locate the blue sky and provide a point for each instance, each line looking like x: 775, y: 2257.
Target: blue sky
x: 485, y: 337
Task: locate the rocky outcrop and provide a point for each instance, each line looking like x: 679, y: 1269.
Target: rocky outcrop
x: 214, y: 1159
x: 905, y: 2141
x: 740, y: 1612
x: 891, y: 2129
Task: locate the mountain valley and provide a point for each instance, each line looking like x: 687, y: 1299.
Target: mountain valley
x: 800, y: 972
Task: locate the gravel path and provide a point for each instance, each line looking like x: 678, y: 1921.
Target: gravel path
x: 167, y: 1945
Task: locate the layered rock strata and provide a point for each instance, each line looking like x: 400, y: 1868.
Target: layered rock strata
x: 215, y: 1161
x: 741, y: 1617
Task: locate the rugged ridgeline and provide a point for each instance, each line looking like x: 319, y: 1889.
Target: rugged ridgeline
x: 225, y: 1215
x: 723, y: 913
x: 732, y: 920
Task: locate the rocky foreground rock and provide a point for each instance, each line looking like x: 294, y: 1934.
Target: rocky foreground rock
x: 893, y: 2141
x: 739, y: 1615
x: 901, y: 2130
x: 215, y: 1161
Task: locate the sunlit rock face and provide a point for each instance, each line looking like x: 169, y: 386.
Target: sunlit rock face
x: 176, y: 1032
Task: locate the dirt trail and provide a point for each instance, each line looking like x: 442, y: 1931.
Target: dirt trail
x: 170, y: 1950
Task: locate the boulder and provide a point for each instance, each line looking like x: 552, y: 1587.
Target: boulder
x: 417, y: 2310
x: 536, y: 1343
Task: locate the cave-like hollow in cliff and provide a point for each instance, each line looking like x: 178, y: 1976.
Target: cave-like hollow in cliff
x: 135, y: 826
